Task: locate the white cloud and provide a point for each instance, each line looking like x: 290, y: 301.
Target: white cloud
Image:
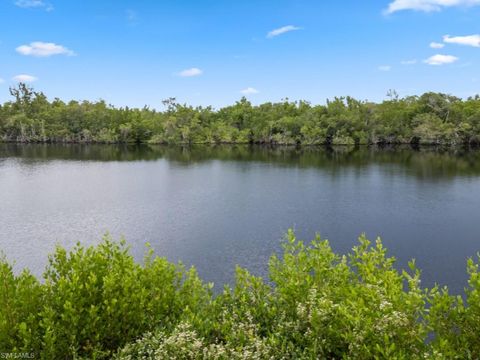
x: 282, y: 30
x: 469, y: 40
x: 1, y: 80
x: 43, y: 49
x: 408, y: 62
x: 34, y: 4
x: 24, y: 78
x: 249, y: 91
x: 436, y: 45
x: 29, y: 3
x: 190, y: 72
x: 384, y: 68
x: 441, y: 59
x: 427, y: 5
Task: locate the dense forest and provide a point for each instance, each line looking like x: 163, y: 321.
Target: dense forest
x: 432, y: 118
x: 97, y: 303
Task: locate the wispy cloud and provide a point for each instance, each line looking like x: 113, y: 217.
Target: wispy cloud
x: 132, y: 16
x: 469, y: 40
x: 1, y: 80
x: 43, y: 49
x: 440, y: 59
x: 25, y: 78
x: 32, y: 4
x: 190, y: 72
x: 408, y: 62
x: 384, y: 68
x: 426, y: 5
x: 282, y: 30
x: 249, y: 91
x: 436, y: 45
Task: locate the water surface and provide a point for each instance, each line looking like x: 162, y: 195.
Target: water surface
x: 216, y: 207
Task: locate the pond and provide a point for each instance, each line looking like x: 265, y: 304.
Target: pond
x: 217, y: 207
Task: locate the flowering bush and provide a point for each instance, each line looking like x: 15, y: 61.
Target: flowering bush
x: 98, y: 303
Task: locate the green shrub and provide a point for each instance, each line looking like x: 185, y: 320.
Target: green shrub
x: 20, y: 302
x: 455, y: 324
x: 319, y: 305
x: 94, y: 300
x: 97, y: 302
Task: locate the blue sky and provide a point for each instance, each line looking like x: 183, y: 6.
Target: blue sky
x: 137, y: 52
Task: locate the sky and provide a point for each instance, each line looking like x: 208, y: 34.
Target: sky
x: 211, y: 52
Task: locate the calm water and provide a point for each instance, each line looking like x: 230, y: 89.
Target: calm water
x: 218, y: 207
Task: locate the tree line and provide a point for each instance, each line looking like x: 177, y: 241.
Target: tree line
x: 432, y: 118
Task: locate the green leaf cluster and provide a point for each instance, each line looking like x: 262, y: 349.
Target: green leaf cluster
x: 92, y: 301
x: 97, y: 302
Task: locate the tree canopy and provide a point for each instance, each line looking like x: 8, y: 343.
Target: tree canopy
x: 432, y: 118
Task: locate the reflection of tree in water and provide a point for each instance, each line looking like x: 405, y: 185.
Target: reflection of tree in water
x: 429, y: 163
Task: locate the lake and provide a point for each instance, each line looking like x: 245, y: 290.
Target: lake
x: 216, y: 207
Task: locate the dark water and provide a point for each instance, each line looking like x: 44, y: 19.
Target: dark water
x: 215, y: 207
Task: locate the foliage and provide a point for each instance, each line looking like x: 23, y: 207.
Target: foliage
x: 432, y: 118
x: 97, y: 302
x: 92, y: 301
